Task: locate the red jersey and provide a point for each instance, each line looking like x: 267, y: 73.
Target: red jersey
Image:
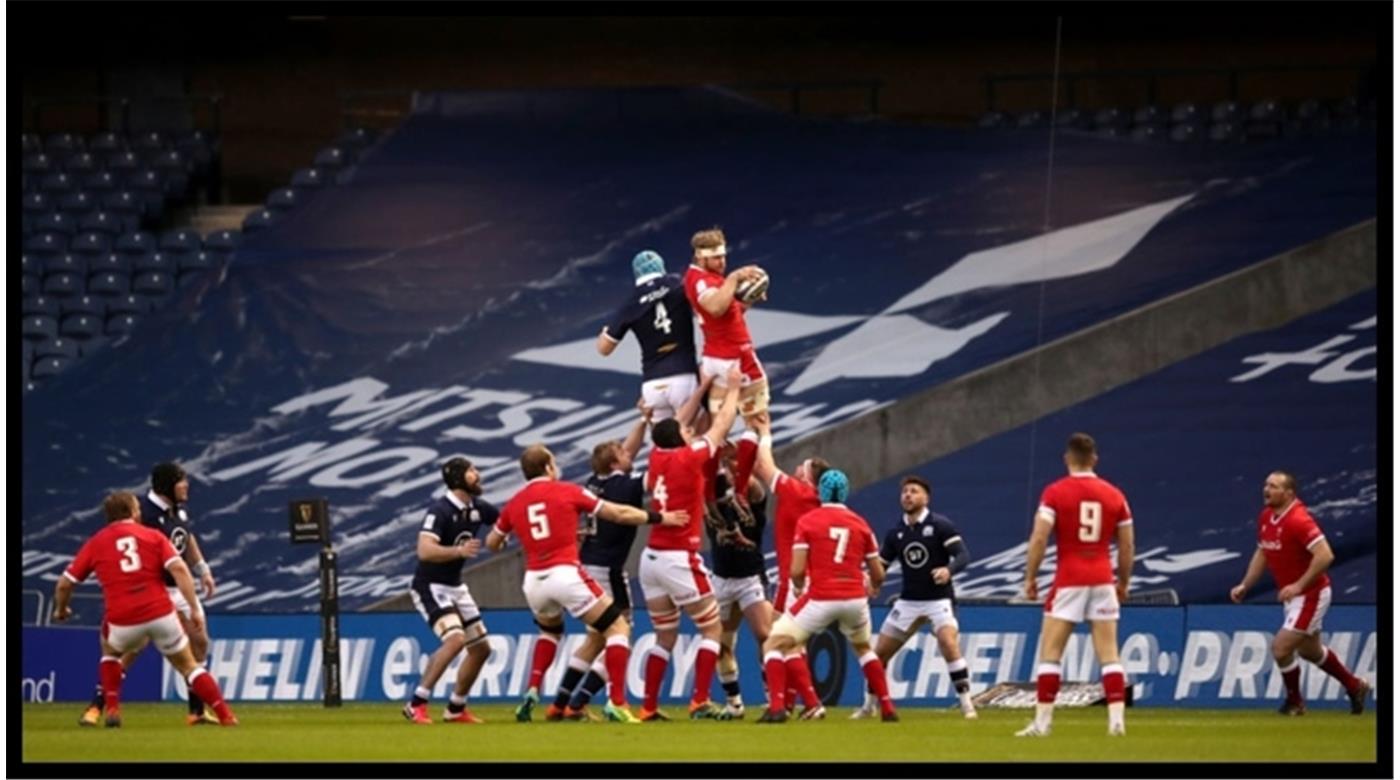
x: 547, y: 511
x: 129, y: 559
x: 676, y: 481
x: 837, y: 541
x: 1287, y: 541
x: 726, y: 336
x: 1087, y: 512
x: 795, y: 498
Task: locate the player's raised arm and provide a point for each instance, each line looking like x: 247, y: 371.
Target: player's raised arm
x: 606, y: 344
x: 798, y: 571
x: 693, y: 404
x: 633, y: 443
x: 724, y: 418
x: 764, y: 467
x: 1044, y: 523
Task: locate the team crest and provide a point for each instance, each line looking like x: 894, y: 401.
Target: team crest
x: 915, y: 555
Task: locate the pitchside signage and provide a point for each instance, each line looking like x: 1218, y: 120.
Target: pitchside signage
x: 1198, y: 656
x: 310, y: 521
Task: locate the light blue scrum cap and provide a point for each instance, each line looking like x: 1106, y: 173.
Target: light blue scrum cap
x: 646, y: 263
x: 834, y: 487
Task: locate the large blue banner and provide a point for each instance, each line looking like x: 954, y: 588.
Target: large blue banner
x: 1198, y: 656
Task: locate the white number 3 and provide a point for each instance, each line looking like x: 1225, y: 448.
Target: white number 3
x: 131, y: 561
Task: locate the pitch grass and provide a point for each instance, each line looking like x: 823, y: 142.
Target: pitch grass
x: 362, y: 732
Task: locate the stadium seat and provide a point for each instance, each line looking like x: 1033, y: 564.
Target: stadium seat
x: 28, y: 284
x: 1150, y: 115
x: 109, y: 263
x: 283, y: 200
x: 37, y: 162
x: 127, y: 204
x: 123, y: 163
x: 78, y: 204
x: 62, y: 285
x: 222, y: 242
x: 139, y: 243
x: 52, y: 365
x: 154, y: 261
x: 108, y: 284
x: 83, y: 304
x: 31, y: 263
x: 57, y: 345
x: 66, y: 263
x: 38, y: 327
x: 121, y: 324
x: 259, y: 219
x: 148, y: 140
x: 309, y: 179
x: 1226, y: 111
x: 91, y: 243
x: 1190, y: 113
x: 106, y: 144
x: 36, y: 203
x: 26, y: 350
x: 104, y: 222
x: 55, y: 222
x: 145, y: 179
x: 40, y: 305
x: 1265, y: 119
x: 1226, y: 132
x: 57, y: 183
x: 152, y: 284
x: 80, y: 326
x: 1030, y: 120
x: 331, y: 159
x: 45, y: 244
x: 198, y: 146
x: 63, y: 144
x: 127, y: 303
x: 29, y: 143
x: 100, y: 182
x: 357, y: 138
x: 993, y: 119
x: 1110, y: 131
x: 194, y: 261
x: 1111, y: 117
x: 1072, y: 119
x: 177, y: 243
x: 1147, y: 133
x: 82, y: 163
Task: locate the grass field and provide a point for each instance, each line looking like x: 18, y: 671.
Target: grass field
x: 376, y: 732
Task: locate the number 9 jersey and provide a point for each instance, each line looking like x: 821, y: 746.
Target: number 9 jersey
x: 1087, y: 512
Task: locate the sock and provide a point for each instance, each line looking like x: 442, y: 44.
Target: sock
x: 421, y: 696
x: 615, y: 657
x: 109, y: 671
x: 743, y: 465
x: 98, y: 700
x: 545, y: 648
x: 657, y: 660
x: 1291, y: 673
x: 874, y: 672
x: 202, y: 684
x: 455, y: 703
x: 1047, y: 687
x: 957, y: 672
x: 593, y: 682
x: 800, y: 677
x: 1115, y: 691
x: 1334, y: 667
x: 704, y: 670
x: 775, y: 671
x: 572, y: 676
x: 729, y: 681
x: 196, y: 704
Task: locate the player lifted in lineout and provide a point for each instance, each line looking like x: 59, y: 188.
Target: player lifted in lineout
x: 657, y: 312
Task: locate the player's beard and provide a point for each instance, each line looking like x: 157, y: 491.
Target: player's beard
x: 473, y: 489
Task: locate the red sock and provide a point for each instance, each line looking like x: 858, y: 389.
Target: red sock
x: 1290, y: 680
x: 874, y: 672
x: 1114, y: 687
x: 203, y: 685
x: 1047, y: 683
x: 704, y: 670
x: 109, y: 672
x: 775, y: 671
x: 800, y: 677
x: 657, y: 661
x: 743, y: 465
x: 1334, y: 666
x: 545, y: 649
x: 615, y: 658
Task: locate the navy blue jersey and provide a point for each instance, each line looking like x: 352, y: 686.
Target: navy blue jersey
x: 921, y: 548
x: 658, y: 312
x: 604, y: 543
x: 731, y: 560
x: 173, y: 522
x: 450, y: 525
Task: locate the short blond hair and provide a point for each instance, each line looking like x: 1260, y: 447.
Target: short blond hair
x: 707, y: 239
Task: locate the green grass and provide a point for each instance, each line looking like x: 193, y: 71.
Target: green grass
x: 377, y: 732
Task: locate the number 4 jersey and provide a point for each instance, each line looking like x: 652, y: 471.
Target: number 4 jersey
x: 1087, y: 512
x: 129, y: 560
x: 658, y: 312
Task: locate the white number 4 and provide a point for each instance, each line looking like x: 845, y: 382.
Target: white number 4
x: 539, y: 521
x: 663, y: 318
x: 842, y: 536
x: 1090, y: 521
x: 658, y: 492
x: 131, y: 560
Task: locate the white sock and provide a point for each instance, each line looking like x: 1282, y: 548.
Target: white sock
x: 1044, y: 713
x: 965, y: 699
x: 1115, y: 713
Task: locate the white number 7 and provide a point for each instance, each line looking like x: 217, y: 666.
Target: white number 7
x: 842, y: 536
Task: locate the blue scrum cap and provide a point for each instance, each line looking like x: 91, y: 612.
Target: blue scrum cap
x: 647, y: 263
x: 834, y: 487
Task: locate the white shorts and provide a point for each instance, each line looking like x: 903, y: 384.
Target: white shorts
x: 616, y: 583
x: 678, y: 574
x: 750, y: 369
x: 743, y: 591
x: 1079, y: 603
x: 563, y: 587
x: 1304, y: 613
x: 906, y: 617
x: 178, y: 599
x: 165, y: 632
x: 665, y: 396
x: 809, y: 616
x: 447, y: 608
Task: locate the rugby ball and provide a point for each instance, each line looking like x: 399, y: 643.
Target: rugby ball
x: 751, y: 291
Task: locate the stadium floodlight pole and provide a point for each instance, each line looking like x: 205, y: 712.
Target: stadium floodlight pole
x: 310, y: 522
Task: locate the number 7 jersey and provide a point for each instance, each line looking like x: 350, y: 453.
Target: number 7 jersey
x: 837, y: 542
x: 1087, y: 512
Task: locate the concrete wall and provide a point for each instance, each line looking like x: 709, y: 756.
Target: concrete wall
x: 1019, y: 389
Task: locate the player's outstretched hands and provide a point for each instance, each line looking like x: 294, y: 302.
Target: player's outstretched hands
x: 735, y: 537
x: 1237, y: 594
x: 677, y: 518
x: 470, y: 548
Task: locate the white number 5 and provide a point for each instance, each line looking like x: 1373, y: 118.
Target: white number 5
x: 131, y: 560
x: 1090, y: 521
x: 842, y: 536
x: 539, y: 521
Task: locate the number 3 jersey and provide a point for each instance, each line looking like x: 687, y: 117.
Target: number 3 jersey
x: 659, y: 314
x: 129, y: 560
x: 1087, y: 512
